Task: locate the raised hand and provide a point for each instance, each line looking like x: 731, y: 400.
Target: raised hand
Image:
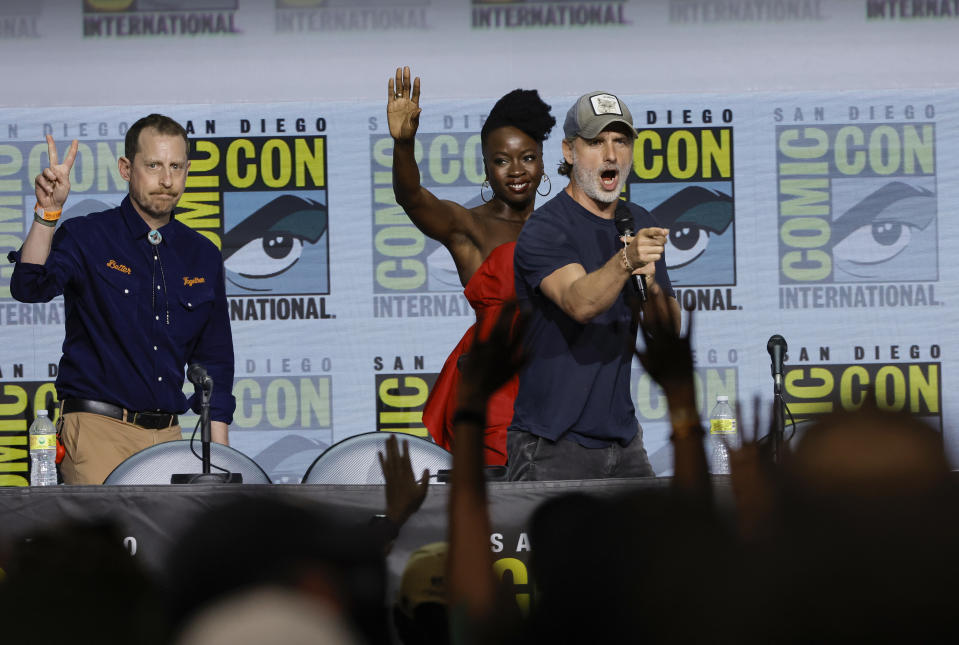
x: 53, y: 184
x: 753, y: 477
x: 668, y: 357
x: 403, y: 105
x: 404, y: 493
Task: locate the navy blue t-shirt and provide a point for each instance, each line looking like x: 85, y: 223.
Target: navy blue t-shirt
x: 576, y: 384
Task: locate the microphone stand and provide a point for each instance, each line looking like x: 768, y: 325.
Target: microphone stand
x: 206, y: 477
x: 205, y: 431
x: 779, y: 420
x: 777, y: 348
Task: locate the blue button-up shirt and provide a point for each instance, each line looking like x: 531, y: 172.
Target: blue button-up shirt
x: 136, y: 314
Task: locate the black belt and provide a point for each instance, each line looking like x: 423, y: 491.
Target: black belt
x: 148, y: 420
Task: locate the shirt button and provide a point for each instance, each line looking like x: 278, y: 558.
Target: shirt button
x: 158, y: 287
x: 158, y: 318
x: 159, y: 378
x: 154, y: 348
x: 126, y: 291
x: 189, y: 304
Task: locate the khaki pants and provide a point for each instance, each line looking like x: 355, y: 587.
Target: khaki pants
x: 95, y: 445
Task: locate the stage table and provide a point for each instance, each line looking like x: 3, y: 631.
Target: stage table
x: 151, y: 518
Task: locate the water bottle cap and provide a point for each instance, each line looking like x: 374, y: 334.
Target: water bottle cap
x: 722, y: 398
x: 41, y: 413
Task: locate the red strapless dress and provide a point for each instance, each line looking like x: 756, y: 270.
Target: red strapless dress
x: 487, y: 290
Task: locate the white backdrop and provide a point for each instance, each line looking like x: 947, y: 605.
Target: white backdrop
x: 806, y: 151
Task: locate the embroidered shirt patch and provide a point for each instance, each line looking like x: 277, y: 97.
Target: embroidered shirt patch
x: 122, y: 268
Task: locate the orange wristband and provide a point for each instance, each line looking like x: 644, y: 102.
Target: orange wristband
x: 50, y: 216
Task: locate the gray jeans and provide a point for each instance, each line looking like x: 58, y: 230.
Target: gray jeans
x: 532, y: 458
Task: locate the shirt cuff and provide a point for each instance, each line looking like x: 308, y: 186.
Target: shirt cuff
x: 222, y: 405
x: 31, y: 282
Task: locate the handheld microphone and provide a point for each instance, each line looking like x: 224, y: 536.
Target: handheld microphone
x: 776, y: 346
x: 198, y: 376
x: 626, y: 226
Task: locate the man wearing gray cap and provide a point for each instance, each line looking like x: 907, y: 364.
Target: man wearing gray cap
x: 573, y: 416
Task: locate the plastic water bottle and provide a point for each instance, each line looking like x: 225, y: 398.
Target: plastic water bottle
x: 43, y: 451
x: 722, y: 428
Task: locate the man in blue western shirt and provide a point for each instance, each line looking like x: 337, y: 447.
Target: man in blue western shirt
x: 573, y: 416
x: 144, y: 296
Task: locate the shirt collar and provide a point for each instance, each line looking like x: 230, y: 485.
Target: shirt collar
x: 138, y: 228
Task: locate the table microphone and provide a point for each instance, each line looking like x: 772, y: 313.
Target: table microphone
x: 776, y: 346
x: 198, y: 376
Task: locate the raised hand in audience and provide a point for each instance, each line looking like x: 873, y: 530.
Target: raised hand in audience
x: 752, y: 473
x: 668, y: 359
x: 488, y: 365
x: 404, y: 493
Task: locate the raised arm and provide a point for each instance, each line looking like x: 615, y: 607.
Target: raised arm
x: 439, y: 219
x: 668, y: 360
x: 583, y: 296
x: 489, y: 364
x: 51, y: 187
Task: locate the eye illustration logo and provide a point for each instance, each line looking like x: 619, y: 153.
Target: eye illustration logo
x: 277, y: 249
x: 700, y: 248
x: 888, y: 235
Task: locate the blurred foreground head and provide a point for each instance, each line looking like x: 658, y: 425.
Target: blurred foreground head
x: 868, y: 551
x: 267, y: 615
x: 870, y: 456
x: 76, y: 583
x: 285, y: 543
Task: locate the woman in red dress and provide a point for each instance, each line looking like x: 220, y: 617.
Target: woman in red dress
x: 480, y: 239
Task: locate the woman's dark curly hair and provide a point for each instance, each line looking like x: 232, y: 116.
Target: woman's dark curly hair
x: 521, y: 109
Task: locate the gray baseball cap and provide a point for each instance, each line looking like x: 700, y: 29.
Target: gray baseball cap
x: 592, y: 113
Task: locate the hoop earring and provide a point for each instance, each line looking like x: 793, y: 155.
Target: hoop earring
x: 485, y: 184
x: 549, y: 186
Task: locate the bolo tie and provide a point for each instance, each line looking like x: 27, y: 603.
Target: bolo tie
x: 154, y: 237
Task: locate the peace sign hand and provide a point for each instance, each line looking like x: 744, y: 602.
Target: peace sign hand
x: 53, y: 184
x: 403, y: 105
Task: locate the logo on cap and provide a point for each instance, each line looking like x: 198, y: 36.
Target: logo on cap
x: 605, y: 104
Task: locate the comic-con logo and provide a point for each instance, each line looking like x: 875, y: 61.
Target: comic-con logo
x: 684, y: 178
x: 414, y: 275
x: 857, y: 214
x: 288, y: 402
x: 263, y: 202
x: 519, y: 14
x: 19, y: 401
x: 811, y: 391
x: 401, y: 396
x: 132, y: 18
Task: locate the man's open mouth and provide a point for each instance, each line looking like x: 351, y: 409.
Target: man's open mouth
x: 609, y: 179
